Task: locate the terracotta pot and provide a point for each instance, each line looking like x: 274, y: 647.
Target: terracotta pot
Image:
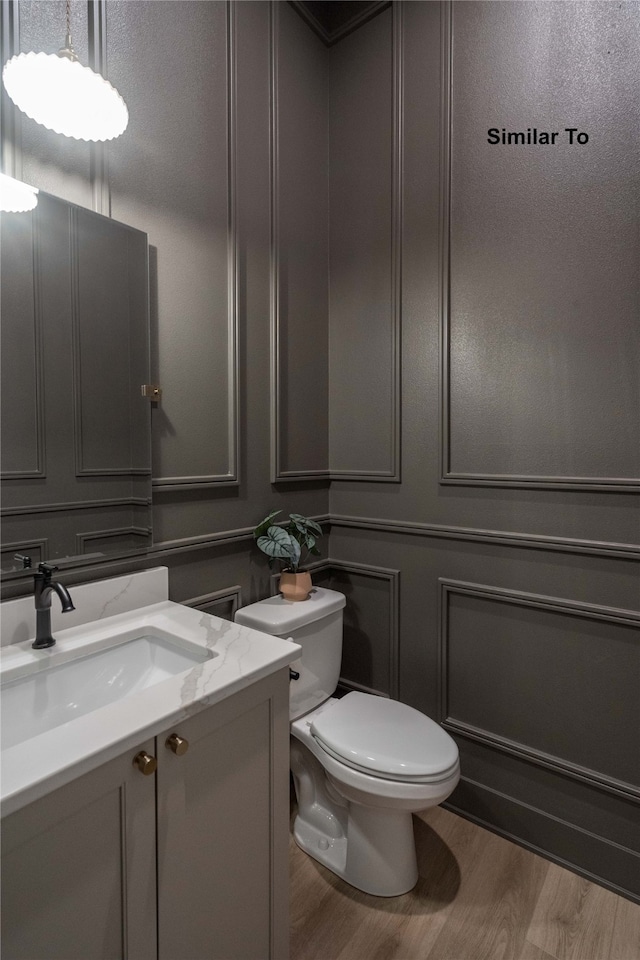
x: 295, y: 586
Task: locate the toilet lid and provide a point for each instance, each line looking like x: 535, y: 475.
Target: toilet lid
x: 385, y: 738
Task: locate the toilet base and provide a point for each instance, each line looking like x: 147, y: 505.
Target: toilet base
x: 381, y: 861
x: 372, y: 848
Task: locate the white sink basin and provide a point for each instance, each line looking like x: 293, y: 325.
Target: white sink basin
x: 128, y: 664
x: 37, y: 697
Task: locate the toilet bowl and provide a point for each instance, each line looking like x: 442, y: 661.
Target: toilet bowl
x: 361, y: 764
x: 357, y: 820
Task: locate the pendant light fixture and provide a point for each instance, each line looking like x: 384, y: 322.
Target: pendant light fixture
x: 16, y: 196
x: 58, y: 92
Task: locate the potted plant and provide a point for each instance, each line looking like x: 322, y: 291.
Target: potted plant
x: 290, y: 543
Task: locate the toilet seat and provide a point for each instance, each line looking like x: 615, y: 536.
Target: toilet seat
x: 386, y: 739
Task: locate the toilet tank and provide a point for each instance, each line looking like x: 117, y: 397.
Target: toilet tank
x: 316, y: 624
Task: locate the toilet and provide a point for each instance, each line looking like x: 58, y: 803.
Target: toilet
x: 361, y: 764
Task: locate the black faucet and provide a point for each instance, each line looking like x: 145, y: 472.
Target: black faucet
x: 44, y: 587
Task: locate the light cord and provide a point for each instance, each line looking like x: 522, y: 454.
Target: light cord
x: 68, y: 51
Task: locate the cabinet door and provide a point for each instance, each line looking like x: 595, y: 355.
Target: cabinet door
x: 78, y: 869
x: 223, y: 830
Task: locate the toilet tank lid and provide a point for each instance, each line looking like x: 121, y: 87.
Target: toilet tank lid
x: 280, y: 617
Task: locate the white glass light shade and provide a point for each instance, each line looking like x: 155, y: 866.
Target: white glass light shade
x: 65, y: 97
x: 16, y: 196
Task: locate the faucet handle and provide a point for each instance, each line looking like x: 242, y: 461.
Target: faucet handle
x: 24, y: 560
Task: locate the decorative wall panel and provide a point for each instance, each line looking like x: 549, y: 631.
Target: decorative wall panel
x: 22, y: 380
x: 544, y: 678
x: 299, y: 249
x: 540, y: 298
x: 365, y: 234
x: 186, y: 202
x: 37, y: 550
x: 122, y: 539
x: 219, y: 603
x: 371, y: 625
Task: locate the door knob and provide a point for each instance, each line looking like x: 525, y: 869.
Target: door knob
x: 145, y: 763
x: 177, y: 745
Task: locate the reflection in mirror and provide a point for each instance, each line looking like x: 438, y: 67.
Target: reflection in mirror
x: 76, y: 464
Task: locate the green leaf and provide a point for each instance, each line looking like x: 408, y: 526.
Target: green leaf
x: 304, y: 525
x: 295, y: 554
x: 264, y: 525
x: 277, y: 543
x: 297, y: 522
x: 280, y: 545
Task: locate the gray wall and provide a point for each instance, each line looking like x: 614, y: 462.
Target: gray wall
x: 473, y: 400
x: 224, y: 166
x: 499, y: 550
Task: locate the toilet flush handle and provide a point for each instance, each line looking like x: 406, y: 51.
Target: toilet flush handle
x: 293, y: 674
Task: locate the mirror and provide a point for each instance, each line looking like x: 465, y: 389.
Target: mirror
x: 76, y: 430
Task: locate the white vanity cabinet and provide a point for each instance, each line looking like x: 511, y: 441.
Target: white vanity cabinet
x: 188, y: 863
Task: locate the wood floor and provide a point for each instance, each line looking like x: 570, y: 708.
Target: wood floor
x: 479, y: 897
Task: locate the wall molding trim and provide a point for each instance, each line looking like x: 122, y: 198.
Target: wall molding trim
x: 201, y: 541
x: 329, y: 37
x: 392, y: 578
x: 611, y: 785
x: 212, y: 539
x: 232, y: 595
x: 447, y: 475
x: 39, y: 546
x: 74, y: 505
x: 75, y: 338
x: 232, y: 477
x: 592, y: 547
x: 99, y: 157
x: 87, y: 537
x: 217, y: 539
x: 502, y: 537
x: 393, y: 474
x: 350, y: 685
x: 40, y: 470
x: 444, y: 233
x: 576, y: 608
x: 601, y: 484
x: 495, y: 741
x: 274, y: 244
x: 289, y: 476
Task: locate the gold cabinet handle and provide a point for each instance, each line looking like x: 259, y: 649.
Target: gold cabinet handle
x: 177, y: 745
x: 145, y: 763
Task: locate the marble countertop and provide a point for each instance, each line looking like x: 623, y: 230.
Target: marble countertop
x: 39, y: 765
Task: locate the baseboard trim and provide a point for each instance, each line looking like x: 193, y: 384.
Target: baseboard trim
x: 626, y: 860
x: 349, y: 686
